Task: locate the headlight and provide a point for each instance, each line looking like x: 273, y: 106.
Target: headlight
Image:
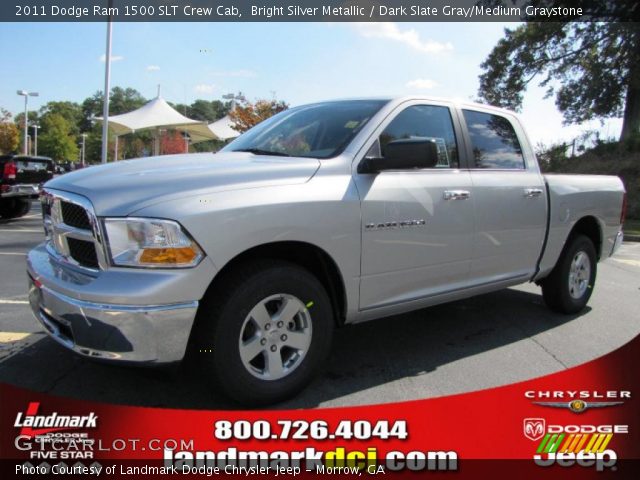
x: 150, y: 242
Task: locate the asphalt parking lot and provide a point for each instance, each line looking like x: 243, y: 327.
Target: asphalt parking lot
x: 491, y: 340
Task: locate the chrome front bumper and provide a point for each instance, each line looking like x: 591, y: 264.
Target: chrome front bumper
x: 148, y: 334
x: 21, y: 190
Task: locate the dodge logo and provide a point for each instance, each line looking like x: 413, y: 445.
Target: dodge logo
x: 534, y: 428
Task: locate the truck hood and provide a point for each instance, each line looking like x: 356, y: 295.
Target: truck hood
x: 124, y: 187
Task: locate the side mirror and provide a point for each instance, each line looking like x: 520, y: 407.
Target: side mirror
x: 403, y: 154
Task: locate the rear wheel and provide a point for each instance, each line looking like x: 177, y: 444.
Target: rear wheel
x: 570, y: 285
x: 265, y: 334
x: 14, y: 207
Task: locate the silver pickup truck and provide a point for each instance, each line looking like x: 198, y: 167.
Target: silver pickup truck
x: 325, y: 214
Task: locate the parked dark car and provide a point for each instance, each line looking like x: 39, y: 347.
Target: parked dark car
x: 21, y: 179
x: 68, y: 166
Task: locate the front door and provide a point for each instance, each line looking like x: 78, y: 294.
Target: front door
x: 417, y: 225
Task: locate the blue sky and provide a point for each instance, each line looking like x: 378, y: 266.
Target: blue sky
x: 299, y: 62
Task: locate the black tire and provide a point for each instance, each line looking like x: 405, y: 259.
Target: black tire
x: 224, y: 315
x: 14, y: 208
x: 25, y: 208
x: 556, y: 290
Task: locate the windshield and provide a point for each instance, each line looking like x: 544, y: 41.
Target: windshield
x: 321, y: 130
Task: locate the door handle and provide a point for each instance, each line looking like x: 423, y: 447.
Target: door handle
x: 532, y: 192
x: 456, y: 194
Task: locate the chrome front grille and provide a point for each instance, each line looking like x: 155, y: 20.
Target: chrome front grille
x: 75, y: 215
x: 72, y: 229
x: 83, y: 252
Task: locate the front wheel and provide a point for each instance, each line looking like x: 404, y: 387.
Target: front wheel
x: 570, y: 285
x: 264, y: 335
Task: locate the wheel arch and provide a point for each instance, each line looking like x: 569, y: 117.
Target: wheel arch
x: 590, y: 228
x: 309, y: 256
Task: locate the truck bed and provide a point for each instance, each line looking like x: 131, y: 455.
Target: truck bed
x: 572, y: 197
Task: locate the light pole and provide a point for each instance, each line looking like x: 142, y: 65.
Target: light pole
x: 84, y: 137
x: 234, y: 99
x: 26, y: 96
x: 35, y: 142
x: 105, y: 104
x: 107, y: 81
x: 186, y: 142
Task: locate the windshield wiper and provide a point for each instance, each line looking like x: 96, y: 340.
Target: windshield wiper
x: 259, y: 151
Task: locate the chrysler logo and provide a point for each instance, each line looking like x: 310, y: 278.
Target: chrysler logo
x: 577, y: 406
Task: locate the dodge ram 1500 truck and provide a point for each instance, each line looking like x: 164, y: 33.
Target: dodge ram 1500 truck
x: 323, y: 215
x: 21, y: 177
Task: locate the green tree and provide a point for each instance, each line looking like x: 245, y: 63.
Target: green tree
x: 592, y: 68
x: 91, y: 107
x: 125, y: 100
x: 204, y: 110
x: 93, y: 144
x: 57, y: 142
x: 71, y: 111
x: 19, y: 118
x: 9, y: 137
x: 182, y: 108
x: 19, y: 122
x: 209, y: 111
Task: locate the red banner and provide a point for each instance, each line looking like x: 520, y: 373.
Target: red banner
x: 583, y: 421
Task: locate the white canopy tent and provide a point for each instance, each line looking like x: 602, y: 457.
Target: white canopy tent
x: 223, y: 128
x: 155, y: 115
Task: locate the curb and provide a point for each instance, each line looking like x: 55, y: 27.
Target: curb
x: 631, y: 238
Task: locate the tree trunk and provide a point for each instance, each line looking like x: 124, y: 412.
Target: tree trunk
x: 631, y: 119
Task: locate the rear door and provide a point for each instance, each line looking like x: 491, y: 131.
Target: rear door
x: 510, y: 201
x: 416, y: 237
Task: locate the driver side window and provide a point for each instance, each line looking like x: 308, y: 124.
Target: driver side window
x: 425, y: 122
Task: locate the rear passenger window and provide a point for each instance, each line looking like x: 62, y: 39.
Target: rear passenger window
x: 425, y: 122
x: 494, y: 141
